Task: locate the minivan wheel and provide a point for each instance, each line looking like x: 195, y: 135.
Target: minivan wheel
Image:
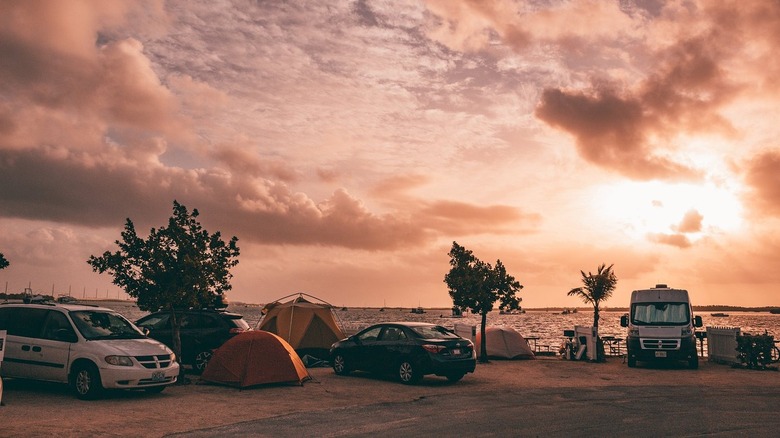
x: 86, y: 382
x: 201, y: 360
x: 630, y: 359
x: 340, y: 365
x: 407, y: 372
x: 693, y: 363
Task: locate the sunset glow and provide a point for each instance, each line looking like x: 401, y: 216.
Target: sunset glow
x: 348, y: 144
x: 657, y: 207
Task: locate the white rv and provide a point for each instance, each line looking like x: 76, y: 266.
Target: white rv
x: 661, y: 326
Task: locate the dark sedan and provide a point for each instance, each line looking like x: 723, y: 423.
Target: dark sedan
x: 407, y: 350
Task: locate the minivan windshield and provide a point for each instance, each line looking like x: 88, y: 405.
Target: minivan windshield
x: 660, y: 314
x: 96, y: 324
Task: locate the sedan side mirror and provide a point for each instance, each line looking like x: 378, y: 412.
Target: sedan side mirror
x: 145, y: 331
x: 624, y: 321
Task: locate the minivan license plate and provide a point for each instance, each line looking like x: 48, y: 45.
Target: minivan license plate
x: 660, y: 354
x: 456, y: 352
x: 158, y: 376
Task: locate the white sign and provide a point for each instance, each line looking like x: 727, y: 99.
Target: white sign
x: 2, y: 352
x: 2, y: 344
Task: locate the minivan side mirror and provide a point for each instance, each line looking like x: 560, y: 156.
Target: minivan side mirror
x: 697, y: 322
x: 65, y: 335
x: 624, y: 321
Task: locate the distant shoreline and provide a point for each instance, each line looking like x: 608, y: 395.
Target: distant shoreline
x: 706, y: 308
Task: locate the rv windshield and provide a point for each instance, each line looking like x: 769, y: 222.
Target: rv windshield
x: 660, y: 314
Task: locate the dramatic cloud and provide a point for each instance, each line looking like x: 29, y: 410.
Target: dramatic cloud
x: 763, y: 176
x: 347, y: 144
x: 691, y: 223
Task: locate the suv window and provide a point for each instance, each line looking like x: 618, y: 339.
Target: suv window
x: 189, y: 321
x: 158, y: 321
x: 210, y: 321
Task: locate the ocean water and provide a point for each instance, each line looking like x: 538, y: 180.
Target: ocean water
x: 546, y: 327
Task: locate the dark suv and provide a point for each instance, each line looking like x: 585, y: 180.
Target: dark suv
x: 202, y: 331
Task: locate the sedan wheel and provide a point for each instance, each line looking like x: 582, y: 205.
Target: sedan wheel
x: 340, y: 365
x: 407, y: 372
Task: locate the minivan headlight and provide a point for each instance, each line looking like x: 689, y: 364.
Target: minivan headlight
x: 634, y: 332
x: 124, y: 361
x: 687, y: 331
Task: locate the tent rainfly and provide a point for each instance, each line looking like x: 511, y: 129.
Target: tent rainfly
x: 255, y: 358
x: 310, y: 327
x: 505, y: 343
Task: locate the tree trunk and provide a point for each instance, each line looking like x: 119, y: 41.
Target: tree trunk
x: 599, y: 353
x: 483, y: 357
x: 176, y: 343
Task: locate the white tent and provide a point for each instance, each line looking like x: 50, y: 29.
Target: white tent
x: 504, y: 343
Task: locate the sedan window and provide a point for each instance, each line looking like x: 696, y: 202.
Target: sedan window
x: 370, y: 335
x: 434, y: 332
x: 393, y: 334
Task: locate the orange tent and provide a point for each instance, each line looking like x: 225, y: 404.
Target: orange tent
x: 504, y: 343
x: 309, y: 327
x: 255, y: 358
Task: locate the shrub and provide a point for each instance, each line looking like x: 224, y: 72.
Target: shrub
x: 755, y: 351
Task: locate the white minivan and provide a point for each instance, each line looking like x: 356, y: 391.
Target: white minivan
x: 89, y: 347
x: 661, y: 326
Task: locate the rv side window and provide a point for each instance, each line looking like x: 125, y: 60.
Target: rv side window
x: 660, y: 314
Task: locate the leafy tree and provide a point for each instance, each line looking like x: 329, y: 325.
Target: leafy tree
x: 3, y: 262
x: 476, y: 285
x: 598, y: 287
x: 180, y: 266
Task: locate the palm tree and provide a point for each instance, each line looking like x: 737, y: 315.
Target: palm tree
x: 598, y: 287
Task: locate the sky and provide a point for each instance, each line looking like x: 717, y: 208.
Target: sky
x: 348, y: 144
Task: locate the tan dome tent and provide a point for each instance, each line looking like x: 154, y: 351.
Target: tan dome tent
x: 310, y: 327
x: 505, y: 343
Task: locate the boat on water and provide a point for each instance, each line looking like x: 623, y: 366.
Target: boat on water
x: 719, y: 315
x: 418, y: 310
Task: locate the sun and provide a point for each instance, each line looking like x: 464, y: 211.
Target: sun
x: 647, y: 208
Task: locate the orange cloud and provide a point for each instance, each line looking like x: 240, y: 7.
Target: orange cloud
x: 691, y: 222
x: 679, y: 240
x: 763, y: 176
